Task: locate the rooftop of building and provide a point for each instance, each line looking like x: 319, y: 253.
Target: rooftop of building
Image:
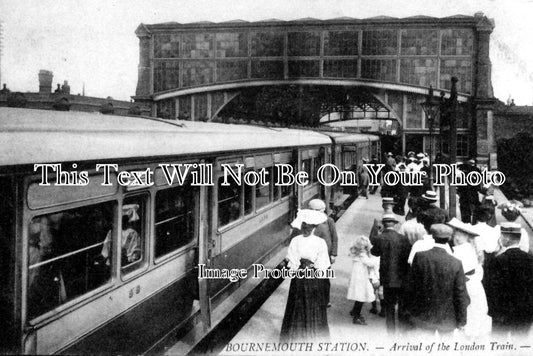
x: 477, y: 19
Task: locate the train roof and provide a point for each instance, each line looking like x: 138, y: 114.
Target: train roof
x: 30, y: 136
x: 347, y: 138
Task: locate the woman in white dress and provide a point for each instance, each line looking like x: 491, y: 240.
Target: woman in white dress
x: 305, y: 316
x: 478, y: 323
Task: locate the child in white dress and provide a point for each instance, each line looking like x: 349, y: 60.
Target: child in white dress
x: 361, y: 289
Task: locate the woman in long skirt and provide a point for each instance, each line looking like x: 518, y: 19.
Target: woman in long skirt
x: 306, y: 311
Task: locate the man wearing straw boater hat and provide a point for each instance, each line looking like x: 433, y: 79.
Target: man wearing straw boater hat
x: 509, y: 284
x: 393, y: 249
x: 429, y: 208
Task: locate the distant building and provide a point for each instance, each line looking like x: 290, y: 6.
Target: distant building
x: 62, y: 99
x: 510, y: 120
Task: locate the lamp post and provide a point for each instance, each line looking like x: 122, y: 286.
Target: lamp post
x: 431, y: 108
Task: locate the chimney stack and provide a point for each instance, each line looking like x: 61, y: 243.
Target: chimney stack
x: 45, y: 81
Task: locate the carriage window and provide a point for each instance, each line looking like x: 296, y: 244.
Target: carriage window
x: 275, y: 187
x: 133, y: 233
x: 285, y: 190
x: 174, y: 218
x: 306, y: 167
x: 350, y: 158
x: 317, y: 162
x: 229, y: 202
x: 64, y: 254
x: 262, y: 192
x: 249, y: 191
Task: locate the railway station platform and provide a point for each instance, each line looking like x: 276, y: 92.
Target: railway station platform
x: 264, y: 327
x: 260, y: 335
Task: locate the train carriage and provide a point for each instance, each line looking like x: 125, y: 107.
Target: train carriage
x: 107, y: 261
x: 347, y: 154
x: 113, y: 267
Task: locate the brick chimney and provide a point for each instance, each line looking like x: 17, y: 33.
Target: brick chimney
x: 45, y: 81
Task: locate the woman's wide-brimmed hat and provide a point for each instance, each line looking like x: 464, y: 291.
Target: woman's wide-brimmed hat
x: 317, y: 204
x: 459, y: 225
x: 130, y: 210
x: 310, y: 217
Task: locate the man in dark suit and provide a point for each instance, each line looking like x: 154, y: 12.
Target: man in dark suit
x: 393, y: 249
x: 509, y: 283
x: 436, y: 297
x: 468, y: 194
x: 328, y: 231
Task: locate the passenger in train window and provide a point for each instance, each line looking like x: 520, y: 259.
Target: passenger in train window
x: 46, y: 286
x: 62, y: 248
x: 130, y: 240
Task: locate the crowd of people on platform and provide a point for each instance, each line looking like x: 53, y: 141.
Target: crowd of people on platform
x: 429, y: 273
x: 445, y: 274
x: 400, y: 192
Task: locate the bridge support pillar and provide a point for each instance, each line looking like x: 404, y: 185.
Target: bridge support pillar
x: 484, y: 130
x: 484, y: 100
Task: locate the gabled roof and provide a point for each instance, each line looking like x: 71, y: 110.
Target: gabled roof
x: 201, y: 23
x: 343, y: 18
x: 420, y: 17
x: 235, y: 21
x: 307, y: 19
x: 458, y: 16
x: 271, y: 20
x: 382, y: 17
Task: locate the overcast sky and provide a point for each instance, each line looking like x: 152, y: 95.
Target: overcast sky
x: 93, y: 41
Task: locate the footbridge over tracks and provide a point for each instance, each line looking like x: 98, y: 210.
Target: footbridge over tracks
x: 371, y: 74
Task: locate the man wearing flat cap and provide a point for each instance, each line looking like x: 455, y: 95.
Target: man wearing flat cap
x: 393, y: 249
x: 436, y: 296
x: 509, y: 284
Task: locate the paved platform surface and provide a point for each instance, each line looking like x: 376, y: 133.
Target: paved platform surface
x: 260, y: 336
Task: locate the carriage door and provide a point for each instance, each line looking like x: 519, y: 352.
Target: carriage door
x: 8, y: 329
x: 177, y: 229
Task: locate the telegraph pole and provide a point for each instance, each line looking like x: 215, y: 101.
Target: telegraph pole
x: 453, y: 144
x: 1, y: 48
